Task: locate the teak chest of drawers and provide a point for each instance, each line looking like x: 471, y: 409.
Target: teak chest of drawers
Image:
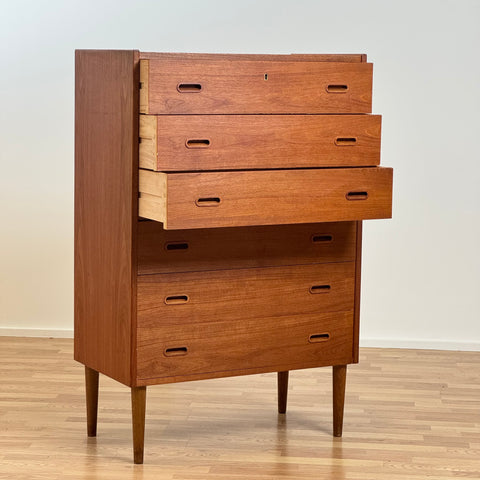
x: 218, y: 209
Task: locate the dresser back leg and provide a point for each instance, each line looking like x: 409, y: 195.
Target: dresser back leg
x: 339, y: 379
x: 139, y: 396
x: 282, y: 383
x: 91, y: 387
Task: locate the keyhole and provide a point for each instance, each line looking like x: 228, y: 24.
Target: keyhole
x: 265, y: 77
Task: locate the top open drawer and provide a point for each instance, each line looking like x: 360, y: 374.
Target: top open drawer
x: 187, y: 85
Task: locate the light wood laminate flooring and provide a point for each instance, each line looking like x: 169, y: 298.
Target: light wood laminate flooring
x: 409, y: 414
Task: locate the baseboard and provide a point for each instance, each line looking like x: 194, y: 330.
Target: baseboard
x: 420, y: 344
x: 364, y: 342
x: 35, y: 332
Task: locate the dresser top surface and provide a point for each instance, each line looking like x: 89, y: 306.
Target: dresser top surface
x: 295, y: 57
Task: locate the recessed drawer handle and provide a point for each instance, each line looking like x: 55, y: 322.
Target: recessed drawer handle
x: 189, y: 87
x: 320, y: 289
x: 337, y: 88
x: 319, y: 337
x: 360, y: 195
x: 345, y: 141
x: 197, y: 143
x: 208, y: 202
x: 176, y: 246
x: 175, y: 351
x: 322, y: 238
x: 176, y: 299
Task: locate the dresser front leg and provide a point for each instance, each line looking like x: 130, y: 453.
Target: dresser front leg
x: 339, y: 379
x: 282, y: 384
x: 91, y: 387
x: 139, y: 396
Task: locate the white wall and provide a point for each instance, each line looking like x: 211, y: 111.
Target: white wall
x: 421, y: 270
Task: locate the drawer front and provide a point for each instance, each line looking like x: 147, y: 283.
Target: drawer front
x: 163, y: 251
x: 238, y: 86
x: 235, y: 295
x: 225, y: 142
x: 265, y: 197
x: 250, y: 346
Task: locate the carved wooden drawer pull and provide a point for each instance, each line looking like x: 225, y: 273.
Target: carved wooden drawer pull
x: 176, y: 299
x: 176, y: 246
x: 320, y: 289
x: 337, y: 88
x: 345, y: 141
x: 175, y: 351
x: 322, y: 238
x: 197, y: 143
x: 189, y: 87
x: 319, y: 337
x: 208, y: 202
x: 357, y: 195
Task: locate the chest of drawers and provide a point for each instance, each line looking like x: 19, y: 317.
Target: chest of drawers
x: 219, y: 202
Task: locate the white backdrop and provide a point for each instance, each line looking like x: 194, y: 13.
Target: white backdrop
x: 421, y: 270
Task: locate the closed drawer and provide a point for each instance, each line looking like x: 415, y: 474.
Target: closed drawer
x: 225, y: 142
x: 191, y: 86
x: 265, y: 197
x: 236, y: 295
x: 163, y: 251
x: 225, y: 348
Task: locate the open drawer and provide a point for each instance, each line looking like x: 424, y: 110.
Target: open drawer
x: 242, y: 142
x: 265, y: 197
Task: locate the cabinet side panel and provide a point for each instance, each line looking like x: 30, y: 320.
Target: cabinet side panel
x: 358, y: 277
x: 106, y: 133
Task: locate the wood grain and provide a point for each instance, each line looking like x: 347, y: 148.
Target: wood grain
x: 106, y: 186
x: 339, y: 377
x: 91, y: 389
x: 358, y: 290
x: 239, y: 301
x: 236, y: 295
x: 226, y: 348
x: 147, y: 147
x: 163, y: 251
x: 138, y: 395
x: 267, y: 197
x: 409, y: 415
x: 238, y: 142
x: 143, y: 84
x: 256, y: 86
x: 282, y: 388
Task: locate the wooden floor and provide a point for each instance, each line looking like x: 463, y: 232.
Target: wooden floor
x: 409, y: 414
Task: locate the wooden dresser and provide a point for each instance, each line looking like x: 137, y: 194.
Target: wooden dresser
x: 218, y: 209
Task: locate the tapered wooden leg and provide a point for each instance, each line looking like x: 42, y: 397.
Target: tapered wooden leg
x: 282, y: 384
x: 91, y: 386
x: 139, y: 396
x: 339, y: 379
